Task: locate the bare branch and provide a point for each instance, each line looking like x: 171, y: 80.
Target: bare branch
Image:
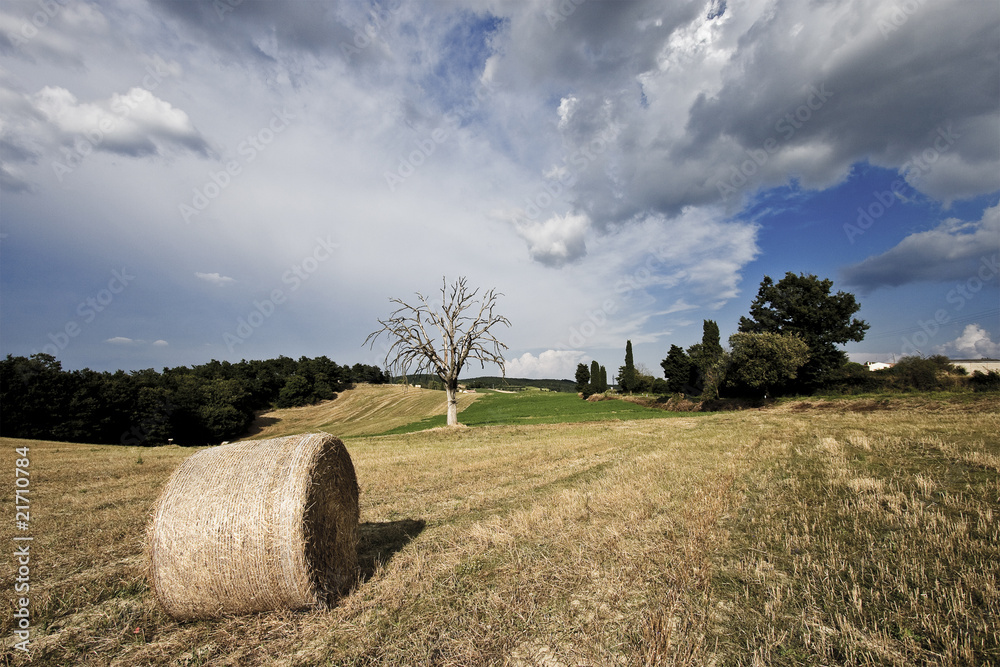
x: 464, y: 333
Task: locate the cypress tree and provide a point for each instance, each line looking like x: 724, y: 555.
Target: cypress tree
x: 706, y: 371
x: 626, y: 374
x: 582, y: 378
x: 711, y: 346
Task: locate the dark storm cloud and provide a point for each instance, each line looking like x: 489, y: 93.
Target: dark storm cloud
x: 688, y: 98
x: 954, y: 250
x: 887, y: 95
x: 267, y: 32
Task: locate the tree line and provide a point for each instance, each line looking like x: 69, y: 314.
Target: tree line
x: 787, y: 345
x: 591, y: 380
x: 202, y: 404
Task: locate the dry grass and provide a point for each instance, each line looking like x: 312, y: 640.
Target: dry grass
x: 365, y: 410
x: 789, y: 537
x: 873, y: 542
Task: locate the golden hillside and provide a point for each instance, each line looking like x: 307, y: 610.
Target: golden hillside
x: 365, y: 410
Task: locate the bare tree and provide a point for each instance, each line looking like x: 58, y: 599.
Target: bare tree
x: 461, y: 331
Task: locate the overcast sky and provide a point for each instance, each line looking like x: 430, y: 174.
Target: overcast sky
x: 191, y: 180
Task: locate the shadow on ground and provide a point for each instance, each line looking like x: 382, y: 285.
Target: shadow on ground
x: 379, y: 542
x: 258, y: 426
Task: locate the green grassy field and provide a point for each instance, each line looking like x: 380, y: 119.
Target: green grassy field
x: 537, y: 407
x: 811, y: 533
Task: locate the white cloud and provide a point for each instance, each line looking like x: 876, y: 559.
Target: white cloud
x: 121, y: 340
x: 565, y: 111
x: 215, y: 278
x: 696, y: 256
x: 974, y: 343
x: 135, y: 123
x: 53, y: 129
x: 678, y: 306
x: 550, y: 364
x: 557, y: 241
x: 57, y: 31
x: 633, y: 111
x: 644, y: 280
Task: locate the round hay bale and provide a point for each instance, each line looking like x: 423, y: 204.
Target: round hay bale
x: 254, y: 526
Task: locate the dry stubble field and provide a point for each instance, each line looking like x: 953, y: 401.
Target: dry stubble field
x: 790, y: 536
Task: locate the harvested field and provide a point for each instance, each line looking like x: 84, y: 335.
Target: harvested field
x: 365, y: 410
x: 773, y: 537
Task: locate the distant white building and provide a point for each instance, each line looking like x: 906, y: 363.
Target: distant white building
x: 973, y: 365
x: 876, y: 365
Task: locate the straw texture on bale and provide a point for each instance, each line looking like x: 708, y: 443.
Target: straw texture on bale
x: 255, y: 526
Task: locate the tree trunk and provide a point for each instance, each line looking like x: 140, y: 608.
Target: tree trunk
x: 451, y: 388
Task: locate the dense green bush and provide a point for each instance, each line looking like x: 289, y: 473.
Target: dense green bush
x: 935, y: 373
x: 660, y: 387
x: 762, y: 361
x: 855, y: 378
x: 925, y: 374
x: 980, y: 381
